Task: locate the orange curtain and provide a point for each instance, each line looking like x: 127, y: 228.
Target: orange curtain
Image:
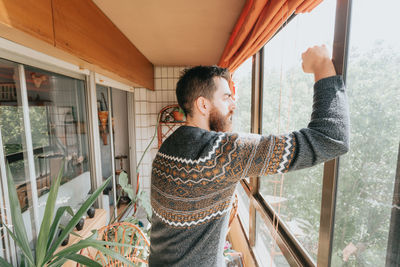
x: 258, y: 22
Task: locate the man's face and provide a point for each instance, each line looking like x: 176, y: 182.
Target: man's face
x: 220, y: 119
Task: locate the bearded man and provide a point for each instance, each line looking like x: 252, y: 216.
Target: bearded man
x: 197, y: 168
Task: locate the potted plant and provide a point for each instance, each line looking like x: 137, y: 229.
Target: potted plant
x: 49, y: 240
x: 178, y: 114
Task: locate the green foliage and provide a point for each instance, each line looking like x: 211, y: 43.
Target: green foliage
x: 367, y: 172
x: 48, y: 242
x: 141, y: 198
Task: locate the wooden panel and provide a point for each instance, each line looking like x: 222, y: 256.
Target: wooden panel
x: 31, y: 16
x: 239, y: 242
x: 83, y: 30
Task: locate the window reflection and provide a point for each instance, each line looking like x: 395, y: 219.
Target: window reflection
x: 13, y: 139
x: 57, y: 113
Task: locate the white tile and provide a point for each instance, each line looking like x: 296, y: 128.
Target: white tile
x: 171, y: 96
x: 140, y: 120
x: 151, y: 108
x: 164, y: 95
x: 137, y: 124
x: 143, y: 107
x: 170, y: 85
x: 138, y: 146
x: 157, y: 72
x: 158, y: 96
x: 160, y: 105
x: 153, y: 119
x: 147, y: 119
x: 157, y: 84
x: 143, y: 93
x: 164, y: 84
x: 144, y: 133
x: 170, y: 72
x: 137, y: 107
x: 149, y: 95
x: 176, y: 72
x: 138, y: 133
x: 164, y: 72
x: 147, y: 183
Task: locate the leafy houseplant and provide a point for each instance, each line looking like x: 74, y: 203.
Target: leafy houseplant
x: 141, y: 196
x: 48, y: 240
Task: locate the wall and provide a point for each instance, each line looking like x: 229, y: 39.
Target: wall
x: 148, y: 104
x: 78, y: 28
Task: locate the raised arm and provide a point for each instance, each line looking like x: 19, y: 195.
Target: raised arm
x: 326, y: 136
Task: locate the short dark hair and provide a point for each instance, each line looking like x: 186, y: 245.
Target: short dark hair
x: 198, y: 81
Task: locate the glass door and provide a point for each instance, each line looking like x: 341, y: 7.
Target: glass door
x: 114, y: 145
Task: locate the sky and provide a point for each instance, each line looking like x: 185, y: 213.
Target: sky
x: 371, y: 20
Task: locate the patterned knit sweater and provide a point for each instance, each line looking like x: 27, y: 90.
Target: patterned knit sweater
x: 195, y: 173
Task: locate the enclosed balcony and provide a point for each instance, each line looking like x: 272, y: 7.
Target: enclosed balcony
x: 88, y: 87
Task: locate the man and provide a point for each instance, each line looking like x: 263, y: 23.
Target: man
x: 198, y: 167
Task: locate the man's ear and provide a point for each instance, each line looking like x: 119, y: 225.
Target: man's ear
x: 202, y: 104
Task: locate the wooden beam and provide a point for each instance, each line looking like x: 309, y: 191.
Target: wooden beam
x: 82, y: 29
x: 31, y: 16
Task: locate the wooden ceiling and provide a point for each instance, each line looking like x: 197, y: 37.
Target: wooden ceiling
x: 175, y: 32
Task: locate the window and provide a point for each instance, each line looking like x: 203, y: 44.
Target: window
x: 266, y: 249
x: 241, y: 123
x: 14, y: 141
x: 242, y: 79
x: 56, y: 112
x: 287, y: 106
x: 367, y: 172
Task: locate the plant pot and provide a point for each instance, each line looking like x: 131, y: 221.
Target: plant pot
x: 124, y: 200
x: 178, y: 116
x: 91, y: 212
x: 103, y: 117
x: 65, y: 241
x: 80, y: 224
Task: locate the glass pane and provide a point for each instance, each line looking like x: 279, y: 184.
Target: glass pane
x: 367, y: 172
x: 287, y: 106
x: 103, y: 109
x: 241, y: 123
x: 243, y: 207
x: 266, y: 250
x: 121, y: 142
x: 57, y: 112
x: 242, y: 80
x: 13, y: 137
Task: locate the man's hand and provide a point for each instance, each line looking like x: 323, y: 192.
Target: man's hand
x: 316, y: 60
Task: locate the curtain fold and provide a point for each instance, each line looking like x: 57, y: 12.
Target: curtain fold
x: 258, y: 22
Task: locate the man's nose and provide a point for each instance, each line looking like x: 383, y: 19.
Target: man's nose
x: 233, y: 105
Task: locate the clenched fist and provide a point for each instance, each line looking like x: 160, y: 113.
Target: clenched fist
x: 316, y: 60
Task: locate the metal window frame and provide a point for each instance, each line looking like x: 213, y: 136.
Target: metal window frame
x: 10, y: 251
x: 331, y: 168
x: 291, y: 248
x: 112, y: 147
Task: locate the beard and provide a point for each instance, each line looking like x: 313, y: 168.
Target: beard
x: 219, y: 122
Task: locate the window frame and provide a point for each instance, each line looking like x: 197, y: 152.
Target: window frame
x: 291, y: 248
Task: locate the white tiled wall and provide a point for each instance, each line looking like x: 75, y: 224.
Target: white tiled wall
x: 148, y: 103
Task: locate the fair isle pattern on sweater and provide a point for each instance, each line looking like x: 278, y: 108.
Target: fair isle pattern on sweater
x: 188, y: 192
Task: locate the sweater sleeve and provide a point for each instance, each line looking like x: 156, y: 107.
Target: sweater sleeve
x: 326, y: 137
